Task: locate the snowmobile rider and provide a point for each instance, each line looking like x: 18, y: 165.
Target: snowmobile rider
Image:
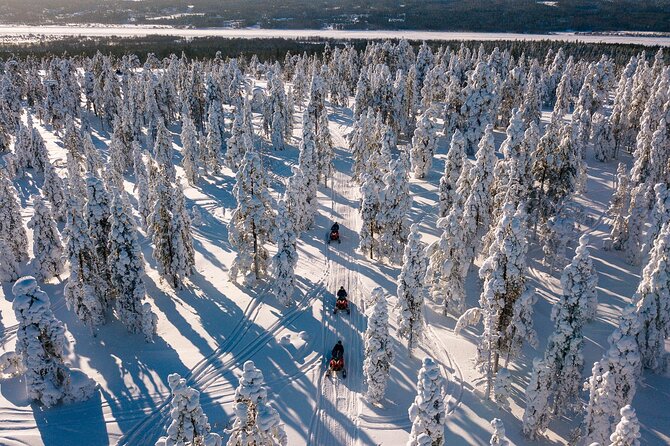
x: 335, y: 227
x: 338, y: 351
x: 341, y: 294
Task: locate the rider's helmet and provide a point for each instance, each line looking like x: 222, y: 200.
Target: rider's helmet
x: 342, y: 287
x: 339, y: 342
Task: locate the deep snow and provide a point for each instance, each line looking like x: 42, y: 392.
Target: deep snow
x: 209, y: 329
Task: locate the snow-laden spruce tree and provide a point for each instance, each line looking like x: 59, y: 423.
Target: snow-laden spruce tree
x: 126, y: 265
x: 652, y: 299
x: 169, y: 227
x: 378, y: 348
x: 309, y: 165
x: 602, y: 137
x: 563, y: 357
x: 189, y: 426
x: 11, y: 224
x: 10, y: 270
x: 477, y: 208
x: 239, y: 143
x: 190, y: 150
x: 502, y: 388
x: 635, y: 222
x: 371, y: 212
x: 503, y: 273
x: 428, y: 411
x: 85, y: 290
x: 537, y: 413
x: 617, y: 210
x: 424, y: 143
x: 660, y: 215
x: 97, y: 214
x: 53, y: 190
x: 498, y: 438
x: 296, y: 200
x: 396, y: 205
x: 411, y: 290
x: 252, y: 220
x: 256, y: 421
x: 141, y: 187
x: 580, y: 279
x: 47, y: 245
x: 627, y: 432
x: 214, y: 141
x: 613, y: 380
x: 163, y: 152
x: 40, y: 341
x: 286, y: 258
x: 479, y: 104
x: 446, y: 271
x: 453, y: 167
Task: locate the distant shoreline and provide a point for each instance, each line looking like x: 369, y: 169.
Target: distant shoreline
x: 99, y: 30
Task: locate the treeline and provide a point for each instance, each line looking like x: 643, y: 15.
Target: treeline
x: 267, y: 49
x: 446, y: 15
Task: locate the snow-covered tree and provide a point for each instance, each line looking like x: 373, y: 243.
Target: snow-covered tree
x: 371, y: 208
x: 378, y: 348
x: 256, y: 421
x: 286, y: 259
x: 47, y: 245
x: 141, y: 187
x: 581, y: 280
x: 660, y: 215
x: 9, y: 265
x: 11, y: 225
x: 411, y: 290
x: 85, y: 290
x: 627, y: 432
x: 428, y: 411
x: 40, y: 340
x: 563, y: 357
x: 53, y: 190
x: 602, y: 137
x: 477, y: 208
x: 190, y: 150
x: 163, y: 152
x: 97, y: 214
x: 395, y: 207
x: 453, y: 167
x: 126, y: 266
x: 617, y: 210
x: 537, y: 414
x: 503, y: 273
x: 479, y: 104
x: 502, y: 388
x: 635, y: 221
x: 447, y: 270
x: 613, y: 380
x: 424, y: 143
x: 239, y: 143
x: 652, y: 299
x: 189, y: 426
x: 498, y: 438
x: 251, y: 223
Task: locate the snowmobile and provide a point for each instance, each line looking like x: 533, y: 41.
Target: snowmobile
x: 336, y: 363
x: 341, y: 303
x: 334, y: 235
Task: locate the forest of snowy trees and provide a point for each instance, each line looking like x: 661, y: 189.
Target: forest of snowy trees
x: 91, y: 211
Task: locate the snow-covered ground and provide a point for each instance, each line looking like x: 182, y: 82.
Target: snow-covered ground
x: 254, y: 33
x: 209, y: 329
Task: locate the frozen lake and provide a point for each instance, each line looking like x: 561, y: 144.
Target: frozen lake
x: 251, y: 33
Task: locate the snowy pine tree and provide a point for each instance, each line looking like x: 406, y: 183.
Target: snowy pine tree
x: 428, y: 411
x: 396, y: 205
x: 9, y: 265
x: 498, y: 438
x: 424, y: 144
x: 602, y: 137
x: 537, y: 413
x: 453, y: 167
x: 286, y: 259
x: 190, y: 150
x: 126, y: 265
x: 652, y: 299
x: 40, y: 340
x: 11, y: 225
x: 47, y: 245
x: 627, y: 432
x: 97, y: 214
x: 141, y: 187
x: 446, y: 270
x: 617, y: 210
x: 53, y: 190
x: 411, y: 290
x: 378, y: 348
x: 251, y: 223
x: 189, y: 426
x: 256, y: 421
